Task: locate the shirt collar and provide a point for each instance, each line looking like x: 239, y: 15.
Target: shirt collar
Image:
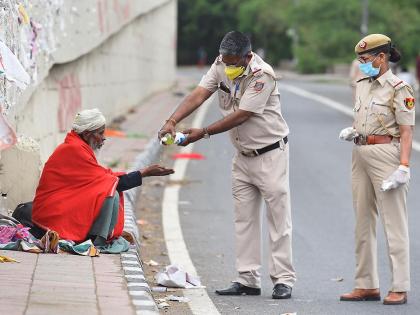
x: 383, y: 78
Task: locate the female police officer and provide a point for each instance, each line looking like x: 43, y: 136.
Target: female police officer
x: 382, y: 133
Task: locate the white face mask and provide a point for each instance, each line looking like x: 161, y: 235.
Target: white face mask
x: 368, y: 69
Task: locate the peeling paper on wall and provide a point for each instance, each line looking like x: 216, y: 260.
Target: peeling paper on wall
x: 7, y: 134
x: 11, y: 67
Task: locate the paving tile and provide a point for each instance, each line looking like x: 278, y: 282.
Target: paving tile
x: 122, y: 310
x: 12, y: 309
x: 64, y: 309
x: 75, y: 283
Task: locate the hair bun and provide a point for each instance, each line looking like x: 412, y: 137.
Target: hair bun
x: 394, y: 54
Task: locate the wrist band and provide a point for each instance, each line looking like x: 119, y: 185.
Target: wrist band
x: 172, y: 121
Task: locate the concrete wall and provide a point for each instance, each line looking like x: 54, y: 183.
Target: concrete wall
x: 105, y: 54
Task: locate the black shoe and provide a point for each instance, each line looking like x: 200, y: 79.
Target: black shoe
x: 282, y: 291
x: 239, y: 289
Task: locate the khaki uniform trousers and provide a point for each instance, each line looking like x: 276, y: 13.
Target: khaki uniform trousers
x: 370, y: 165
x: 255, y: 178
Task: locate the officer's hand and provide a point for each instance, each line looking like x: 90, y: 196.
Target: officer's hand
x: 168, y: 127
x: 400, y: 177
x: 193, y: 135
x: 348, y: 134
x: 156, y: 170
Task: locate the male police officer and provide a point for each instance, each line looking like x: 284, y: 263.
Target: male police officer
x: 250, y: 103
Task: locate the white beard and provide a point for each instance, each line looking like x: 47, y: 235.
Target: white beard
x: 94, y: 148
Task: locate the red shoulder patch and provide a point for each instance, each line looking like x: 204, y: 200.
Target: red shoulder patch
x: 409, y: 103
x: 258, y: 86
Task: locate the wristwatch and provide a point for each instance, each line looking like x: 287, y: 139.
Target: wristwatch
x: 206, y: 134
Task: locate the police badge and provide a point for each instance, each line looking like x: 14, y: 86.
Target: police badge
x: 409, y: 103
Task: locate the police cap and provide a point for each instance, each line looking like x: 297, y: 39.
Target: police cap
x: 373, y: 43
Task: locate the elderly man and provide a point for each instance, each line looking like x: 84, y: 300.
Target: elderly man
x: 250, y: 103
x: 77, y: 197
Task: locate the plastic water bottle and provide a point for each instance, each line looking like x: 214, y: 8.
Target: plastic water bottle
x: 169, y: 139
x: 3, y: 204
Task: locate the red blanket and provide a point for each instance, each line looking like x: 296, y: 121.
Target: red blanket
x: 72, y: 189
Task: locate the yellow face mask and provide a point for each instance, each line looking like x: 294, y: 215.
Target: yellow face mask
x: 232, y: 72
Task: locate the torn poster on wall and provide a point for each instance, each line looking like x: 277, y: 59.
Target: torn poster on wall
x: 27, y: 42
x: 12, y: 70
x: 11, y: 67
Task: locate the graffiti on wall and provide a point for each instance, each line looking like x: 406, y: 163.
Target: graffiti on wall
x: 70, y: 101
x: 121, y: 10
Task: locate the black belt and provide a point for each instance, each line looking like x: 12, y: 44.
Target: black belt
x: 266, y: 149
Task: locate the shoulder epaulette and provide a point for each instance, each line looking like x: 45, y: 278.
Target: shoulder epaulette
x: 397, y: 85
x: 257, y: 72
x: 396, y: 82
x: 362, y: 79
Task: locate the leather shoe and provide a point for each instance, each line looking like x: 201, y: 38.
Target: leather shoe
x: 282, y: 291
x: 239, y: 289
x: 396, y: 298
x: 358, y: 295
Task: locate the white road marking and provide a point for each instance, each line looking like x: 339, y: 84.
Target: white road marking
x: 329, y: 103
x: 200, y: 302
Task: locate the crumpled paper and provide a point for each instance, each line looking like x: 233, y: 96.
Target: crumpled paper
x: 174, y: 276
x: 11, y: 67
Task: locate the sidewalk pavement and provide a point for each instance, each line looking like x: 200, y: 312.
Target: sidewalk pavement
x: 110, y: 284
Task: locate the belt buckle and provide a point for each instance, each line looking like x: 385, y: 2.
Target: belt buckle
x: 252, y: 153
x: 361, y: 140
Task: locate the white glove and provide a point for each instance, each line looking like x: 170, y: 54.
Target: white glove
x: 400, y: 177
x: 348, y: 134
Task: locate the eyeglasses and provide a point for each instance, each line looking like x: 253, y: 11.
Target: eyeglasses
x: 367, y: 59
x: 237, y: 64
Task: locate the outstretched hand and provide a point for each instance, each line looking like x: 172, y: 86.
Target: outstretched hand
x: 156, y: 170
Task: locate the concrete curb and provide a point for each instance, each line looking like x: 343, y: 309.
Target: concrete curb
x: 138, y: 288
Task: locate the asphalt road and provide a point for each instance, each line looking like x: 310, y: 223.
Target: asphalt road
x: 322, y: 212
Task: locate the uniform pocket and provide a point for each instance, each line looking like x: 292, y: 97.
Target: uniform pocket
x: 224, y: 99
x: 380, y: 109
x: 380, y: 113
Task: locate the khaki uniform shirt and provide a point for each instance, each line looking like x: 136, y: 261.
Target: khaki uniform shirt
x: 254, y: 91
x: 382, y: 105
